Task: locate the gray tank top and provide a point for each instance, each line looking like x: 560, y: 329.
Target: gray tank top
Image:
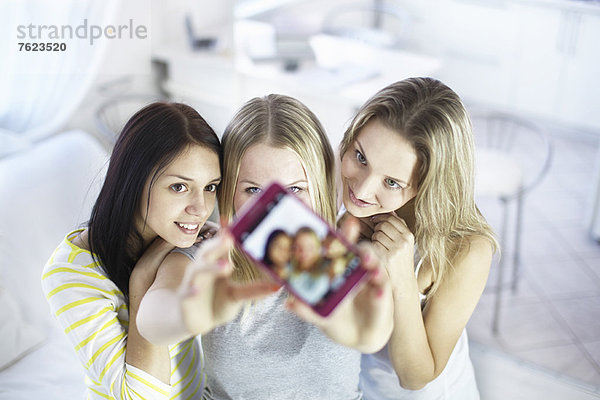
x: 270, y: 353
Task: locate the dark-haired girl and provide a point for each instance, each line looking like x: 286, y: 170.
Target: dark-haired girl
x: 159, y: 190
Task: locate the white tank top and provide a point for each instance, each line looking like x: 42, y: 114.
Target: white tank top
x: 379, y: 381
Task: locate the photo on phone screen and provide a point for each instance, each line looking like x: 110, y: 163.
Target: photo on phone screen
x: 298, y: 248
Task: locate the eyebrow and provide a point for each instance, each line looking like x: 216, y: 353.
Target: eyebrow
x: 185, y: 178
x: 387, y: 176
x: 248, y: 182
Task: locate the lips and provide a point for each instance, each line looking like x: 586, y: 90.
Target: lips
x: 357, y: 202
x: 189, y: 229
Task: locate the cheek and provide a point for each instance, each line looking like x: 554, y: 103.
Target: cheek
x: 393, y: 201
x: 211, y: 200
x: 349, y: 169
x: 152, y: 209
x: 346, y: 168
x: 304, y: 196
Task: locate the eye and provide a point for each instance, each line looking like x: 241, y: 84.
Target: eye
x: 295, y: 189
x: 253, y: 190
x: 179, y: 187
x: 361, y: 159
x: 392, y: 183
x: 211, y: 188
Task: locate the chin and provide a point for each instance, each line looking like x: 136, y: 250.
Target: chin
x: 357, y: 211
x: 182, y: 243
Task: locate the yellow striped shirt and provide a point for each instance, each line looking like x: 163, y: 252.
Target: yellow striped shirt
x: 94, y: 316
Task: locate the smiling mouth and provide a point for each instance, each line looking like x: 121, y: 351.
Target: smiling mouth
x: 188, y: 228
x: 357, y: 202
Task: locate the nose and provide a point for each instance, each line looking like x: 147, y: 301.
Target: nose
x: 199, y: 206
x: 365, y: 189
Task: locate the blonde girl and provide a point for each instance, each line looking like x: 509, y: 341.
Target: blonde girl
x: 268, y: 352
x: 407, y: 173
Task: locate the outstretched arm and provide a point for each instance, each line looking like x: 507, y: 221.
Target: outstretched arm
x: 191, y: 298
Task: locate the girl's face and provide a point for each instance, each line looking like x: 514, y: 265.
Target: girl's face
x: 181, y: 199
x: 379, y: 171
x: 307, y: 250
x: 280, y: 250
x: 263, y: 164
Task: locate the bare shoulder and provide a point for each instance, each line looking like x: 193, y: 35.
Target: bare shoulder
x: 476, y: 246
x: 172, y: 270
x: 81, y: 240
x: 474, y: 258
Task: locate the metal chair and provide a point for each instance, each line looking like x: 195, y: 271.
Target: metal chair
x: 512, y: 157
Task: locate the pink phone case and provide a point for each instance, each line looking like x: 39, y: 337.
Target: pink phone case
x: 298, y: 248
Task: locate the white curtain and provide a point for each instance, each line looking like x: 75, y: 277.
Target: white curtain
x: 39, y: 90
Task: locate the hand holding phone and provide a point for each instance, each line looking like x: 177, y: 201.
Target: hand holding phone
x: 298, y: 249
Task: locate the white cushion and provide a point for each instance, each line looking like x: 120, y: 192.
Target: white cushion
x: 17, y: 337
x: 47, y: 190
x: 11, y: 142
x: 497, y: 174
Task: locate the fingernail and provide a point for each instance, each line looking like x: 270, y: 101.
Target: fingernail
x: 275, y: 287
x: 192, y: 290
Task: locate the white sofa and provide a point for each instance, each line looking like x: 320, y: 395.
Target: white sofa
x: 46, y: 190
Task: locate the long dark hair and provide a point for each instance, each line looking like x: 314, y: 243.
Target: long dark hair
x: 272, y: 236
x: 151, y: 139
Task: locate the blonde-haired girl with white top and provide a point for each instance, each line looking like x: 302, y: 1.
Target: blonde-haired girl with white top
x: 407, y: 173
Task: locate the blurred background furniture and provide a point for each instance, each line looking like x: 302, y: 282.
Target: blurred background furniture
x: 367, y: 22
x: 110, y: 116
x: 512, y: 157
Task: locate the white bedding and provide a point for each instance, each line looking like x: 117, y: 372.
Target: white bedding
x: 46, y: 190
x: 50, y: 372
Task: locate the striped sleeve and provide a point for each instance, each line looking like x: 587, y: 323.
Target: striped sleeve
x: 94, y: 316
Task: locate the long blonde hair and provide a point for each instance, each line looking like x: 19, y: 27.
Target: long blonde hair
x: 433, y: 119
x: 282, y: 122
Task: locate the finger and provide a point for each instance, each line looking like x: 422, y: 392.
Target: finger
x: 392, y: 219
x: 198, y: 279
x: 372, y: 262
x: 368, y: 222
x: 209, y: 229
x: 366, y: 231
x: 379, y: 249
x: 213, y: 250
x: 377, y: 279
x: 382, y: 238
x: 368, y: 257
x: 252, y: 291
x: 350, y: 229
x: 303, y: 311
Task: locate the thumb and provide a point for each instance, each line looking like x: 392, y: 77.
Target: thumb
x: 303, y: 311
x: 350, y: 228
x: 213, y: 250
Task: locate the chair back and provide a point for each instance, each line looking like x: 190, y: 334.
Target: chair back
x: 511, y: 152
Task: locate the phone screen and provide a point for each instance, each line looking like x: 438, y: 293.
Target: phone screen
x: 298, y: 248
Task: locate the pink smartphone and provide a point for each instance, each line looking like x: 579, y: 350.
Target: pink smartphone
x: 298, y: 248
